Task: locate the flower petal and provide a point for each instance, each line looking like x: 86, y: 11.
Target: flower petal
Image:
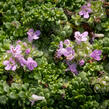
x: 81, y: 13
x: 8, y: 67
x: 86, y: 15
x: 6, y: 62
x: 14, y: 67
x: 38, y: 32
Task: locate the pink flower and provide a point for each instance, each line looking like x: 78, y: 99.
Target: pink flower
x: 10, y: 64
x: 19, y: 41
x: 69, y: 54
x: 33, y: 35
x: 85, y: 10
x: 67, y: 42
x: 61, y: 50
x: 31, y: 64
x: 73, y: 68
x: 81, y: 62
x: 81, y: 37
x: 61, y: 44
x: 96, y: 55
x: 16, y: 51
x: 27, y: 51
x: 25, y: 44
x: 22, y: 61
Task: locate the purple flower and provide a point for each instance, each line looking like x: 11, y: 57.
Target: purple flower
x: 27, y: 51
x: 73, y: 68
x: 31, y: 64
x: 16, y: 51
x: 67, y: 42
x: 61, y: 44
x: 33, y: 35
x: 81, y: 37
x: 10, y: 64
x: 96, y: 55
x: 25, y: 44
x: 61, y: 50
x: 22, y: 61
x: 69, y: 54
x: 81, y: 62
x: 85, y: 10
x: 19, y: 41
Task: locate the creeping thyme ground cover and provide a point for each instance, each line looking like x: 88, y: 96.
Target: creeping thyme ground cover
x: 54, y: 54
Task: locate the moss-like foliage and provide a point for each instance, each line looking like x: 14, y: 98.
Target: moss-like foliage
x: 53, y: 80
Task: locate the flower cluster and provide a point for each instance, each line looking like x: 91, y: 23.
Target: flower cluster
x: 85, y: 10
x: 22, y: 53
x: 78, y: 52
x: 66, y: 51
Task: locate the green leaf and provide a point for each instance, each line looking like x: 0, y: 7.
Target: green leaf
x: 13, y: 95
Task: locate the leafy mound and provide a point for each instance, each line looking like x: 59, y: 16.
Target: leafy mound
x: 62, y: 65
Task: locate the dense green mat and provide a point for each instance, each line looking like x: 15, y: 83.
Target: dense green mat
x: 63, y: 63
